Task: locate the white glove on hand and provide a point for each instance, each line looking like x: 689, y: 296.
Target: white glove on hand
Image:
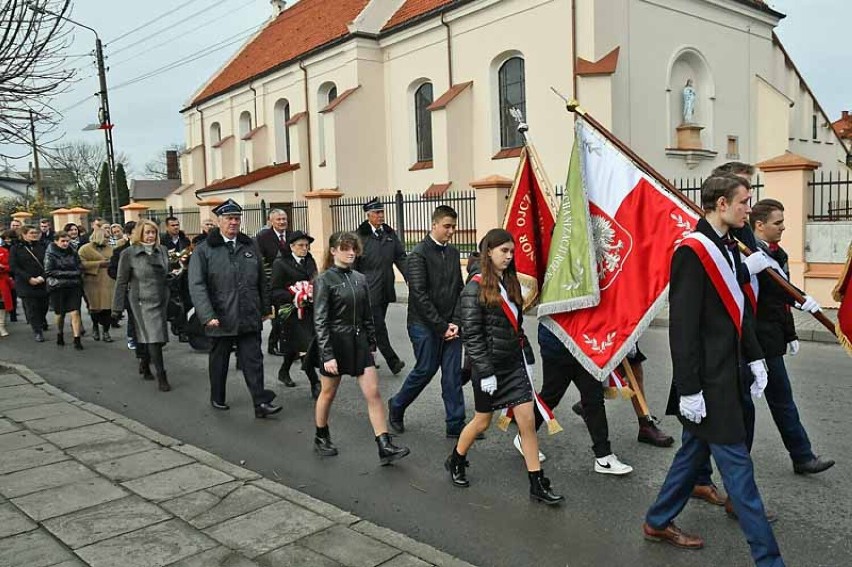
x: 757, y: 262
x: 793, y: 348
x: 693, y: 408
x: 488, y: 385
x: 809, y: 305
x: 761, y: 377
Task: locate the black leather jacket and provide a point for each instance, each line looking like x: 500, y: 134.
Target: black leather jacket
x: 434, y: 284
x: 490, y: 340
x: 342, y: 310
x: 62, y: 267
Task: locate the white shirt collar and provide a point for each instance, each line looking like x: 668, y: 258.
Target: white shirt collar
x: 297, y: 258
x: 436, y: 242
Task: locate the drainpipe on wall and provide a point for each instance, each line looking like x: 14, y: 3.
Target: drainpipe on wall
x: 308, y: 118
x: 574, y: 48
x: 203, y: 146
x: 254, y: 92
x: 449, y: 49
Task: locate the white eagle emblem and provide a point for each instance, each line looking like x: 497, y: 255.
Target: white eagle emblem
x: 608, y: 248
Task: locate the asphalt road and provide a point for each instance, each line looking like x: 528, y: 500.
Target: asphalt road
x: 493, y: 523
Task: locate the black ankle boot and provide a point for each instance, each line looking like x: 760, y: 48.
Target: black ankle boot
x: 540, y: 489
x: 60, y: 339
x: 163, y: 381
x: 322, y: 443
x: 145, y: 369
x: 96, y: 332
x: 388, y: 452
x: 456, y: 464
x: 78, y: 344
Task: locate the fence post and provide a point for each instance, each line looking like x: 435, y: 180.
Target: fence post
x: 171, y: 211
x: 491, y: 202
x: 400, y: 216
x: 786, y: 179
x: 320, y: 222
x: 133, y: 212
x: 263, y: 210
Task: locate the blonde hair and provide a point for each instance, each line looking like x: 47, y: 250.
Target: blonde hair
x: 136, y: 236
x: 98, y: 237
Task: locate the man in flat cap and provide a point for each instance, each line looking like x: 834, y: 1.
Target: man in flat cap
x: 228, y: 288
x: 382, y: 250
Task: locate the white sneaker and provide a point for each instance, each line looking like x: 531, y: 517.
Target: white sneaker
x: 611, y: 465
x: 517, y: 442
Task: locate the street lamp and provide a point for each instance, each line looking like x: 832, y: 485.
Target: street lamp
x: 103, y: 113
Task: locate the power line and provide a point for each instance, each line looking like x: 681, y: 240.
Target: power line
x: 167, y: 28
x: 189, y: 31
x: 152, y: 21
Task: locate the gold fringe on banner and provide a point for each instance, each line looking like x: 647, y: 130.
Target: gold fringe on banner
x: 553, y: 427
x: 503, y: 422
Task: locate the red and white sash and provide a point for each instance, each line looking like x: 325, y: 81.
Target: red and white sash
x: 721, y: 274
x: 506, y: 414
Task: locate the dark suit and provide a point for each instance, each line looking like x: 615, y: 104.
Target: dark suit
x: 706, y: 354
x: 376, y: 262
x: 270, y: 245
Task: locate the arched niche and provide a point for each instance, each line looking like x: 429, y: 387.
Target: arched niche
x: 688, y: 63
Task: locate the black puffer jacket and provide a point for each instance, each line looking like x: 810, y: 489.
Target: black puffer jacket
x: 342, y: 312
x: 62, y: 267
x: 26, y: 260
x: 434, y: 284
x: 775, y: 327
x: 490, y: 340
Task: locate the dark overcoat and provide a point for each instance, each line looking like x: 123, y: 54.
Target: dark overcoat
x: 27, y: 261
x: 142, y: 279
x: 296, y: 334
x: 377, y: 261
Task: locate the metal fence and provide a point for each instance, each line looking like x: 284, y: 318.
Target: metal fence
x: 830, y: 196
x: 691, y: 187
x: 410, y: 215
x: 190, y: 219
x: 299, y: 216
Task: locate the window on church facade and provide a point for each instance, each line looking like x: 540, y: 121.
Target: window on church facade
x: 512, y: 93
x: 282, y: 131
x: 423, y: 97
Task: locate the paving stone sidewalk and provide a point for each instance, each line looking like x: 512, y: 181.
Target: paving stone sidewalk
x: 82, y: 485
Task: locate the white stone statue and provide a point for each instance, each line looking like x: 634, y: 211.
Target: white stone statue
x: 689, y: 98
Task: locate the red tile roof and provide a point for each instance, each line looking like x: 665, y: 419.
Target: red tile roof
x: 414, y: 8
x: 248, y: 178
x: 843, y: 127
x: 307, y: 25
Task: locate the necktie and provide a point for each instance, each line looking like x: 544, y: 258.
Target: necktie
x: 730, y: 243
x: 281, y: 238
x: 379, y: 233
x: 230, y: 245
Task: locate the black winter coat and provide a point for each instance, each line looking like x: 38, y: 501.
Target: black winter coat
x: 377, y: 262
x: 112, y: 269
x: 434, y: 284
x: 492, y: 343
x: 343, y: 317
x: 26, y: 260
x: 296, y: 333
x: 182, y: 242
x: 706, y: 350
x: 228, y: 287
x: 775, y: 327
x: 62, y: 267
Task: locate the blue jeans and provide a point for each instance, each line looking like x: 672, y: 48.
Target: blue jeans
x: 433, y: 352
x: 737, y: 473
x: 779, y: 397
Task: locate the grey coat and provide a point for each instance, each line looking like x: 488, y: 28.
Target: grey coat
x: 143, y: 278
x: 230, y: 287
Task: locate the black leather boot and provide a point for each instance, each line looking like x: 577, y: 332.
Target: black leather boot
x: 78, y: 345
x: 284, y: 372
x: 60, y: 339
x: 145, y: 369
x: 455, y: 465
x: 322, y: 443
x: 163, y: 381
x: 540, y: 489
x: 388, y: 452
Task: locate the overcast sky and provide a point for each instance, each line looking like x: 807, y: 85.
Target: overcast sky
x: 146, y: 117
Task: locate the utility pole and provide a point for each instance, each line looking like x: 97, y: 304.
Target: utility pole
x: 106, y: 125
x: 39, y: 190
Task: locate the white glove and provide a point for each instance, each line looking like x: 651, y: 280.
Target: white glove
x: 761, y: 377
x: 809, y: 304
x: 488, y: 385
x: 793, y: 348
x: 693, y: 408
x: 757, y: 262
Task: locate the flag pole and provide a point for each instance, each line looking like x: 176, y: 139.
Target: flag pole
x: 535, y: 159
x: 637, y: 391
x: 574, y: 107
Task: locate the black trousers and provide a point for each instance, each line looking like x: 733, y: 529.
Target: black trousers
x: 250, y: 360
x: 35, y: 308
x: 290, y: 358
x: 274, y: 340
x: 380, y: 311
x: 152, y: 353
x: 560, y: 369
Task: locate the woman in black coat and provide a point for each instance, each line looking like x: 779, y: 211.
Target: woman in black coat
x: 65, y: 285
x: 26, y: 260
x: 345, y: 342
x: 502, y: 359
x: 298, y: 329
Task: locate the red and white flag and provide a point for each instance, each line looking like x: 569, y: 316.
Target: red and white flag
x: 529, y: 218
x: 636, y: 226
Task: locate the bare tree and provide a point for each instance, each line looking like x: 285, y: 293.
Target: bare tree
x: 83, y: 162
x: 32, y: 66
x: 157, y: 168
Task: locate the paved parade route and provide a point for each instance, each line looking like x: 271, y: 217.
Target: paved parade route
x: 492, y: 523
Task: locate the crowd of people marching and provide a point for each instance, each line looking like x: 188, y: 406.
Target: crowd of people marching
x: 332, y: 322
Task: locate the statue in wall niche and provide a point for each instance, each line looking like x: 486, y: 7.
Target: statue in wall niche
x: 689, y: 99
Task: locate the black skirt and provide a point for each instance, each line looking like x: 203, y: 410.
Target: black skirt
x: 513, y: 388
x: 66, y: 299
x: 351, y: 352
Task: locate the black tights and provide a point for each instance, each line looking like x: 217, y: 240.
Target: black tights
x: 152, y: 353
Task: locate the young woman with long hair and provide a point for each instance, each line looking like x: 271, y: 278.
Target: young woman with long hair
x: 501, y: 359
x: 345, y: 342
x: 65, y: 285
